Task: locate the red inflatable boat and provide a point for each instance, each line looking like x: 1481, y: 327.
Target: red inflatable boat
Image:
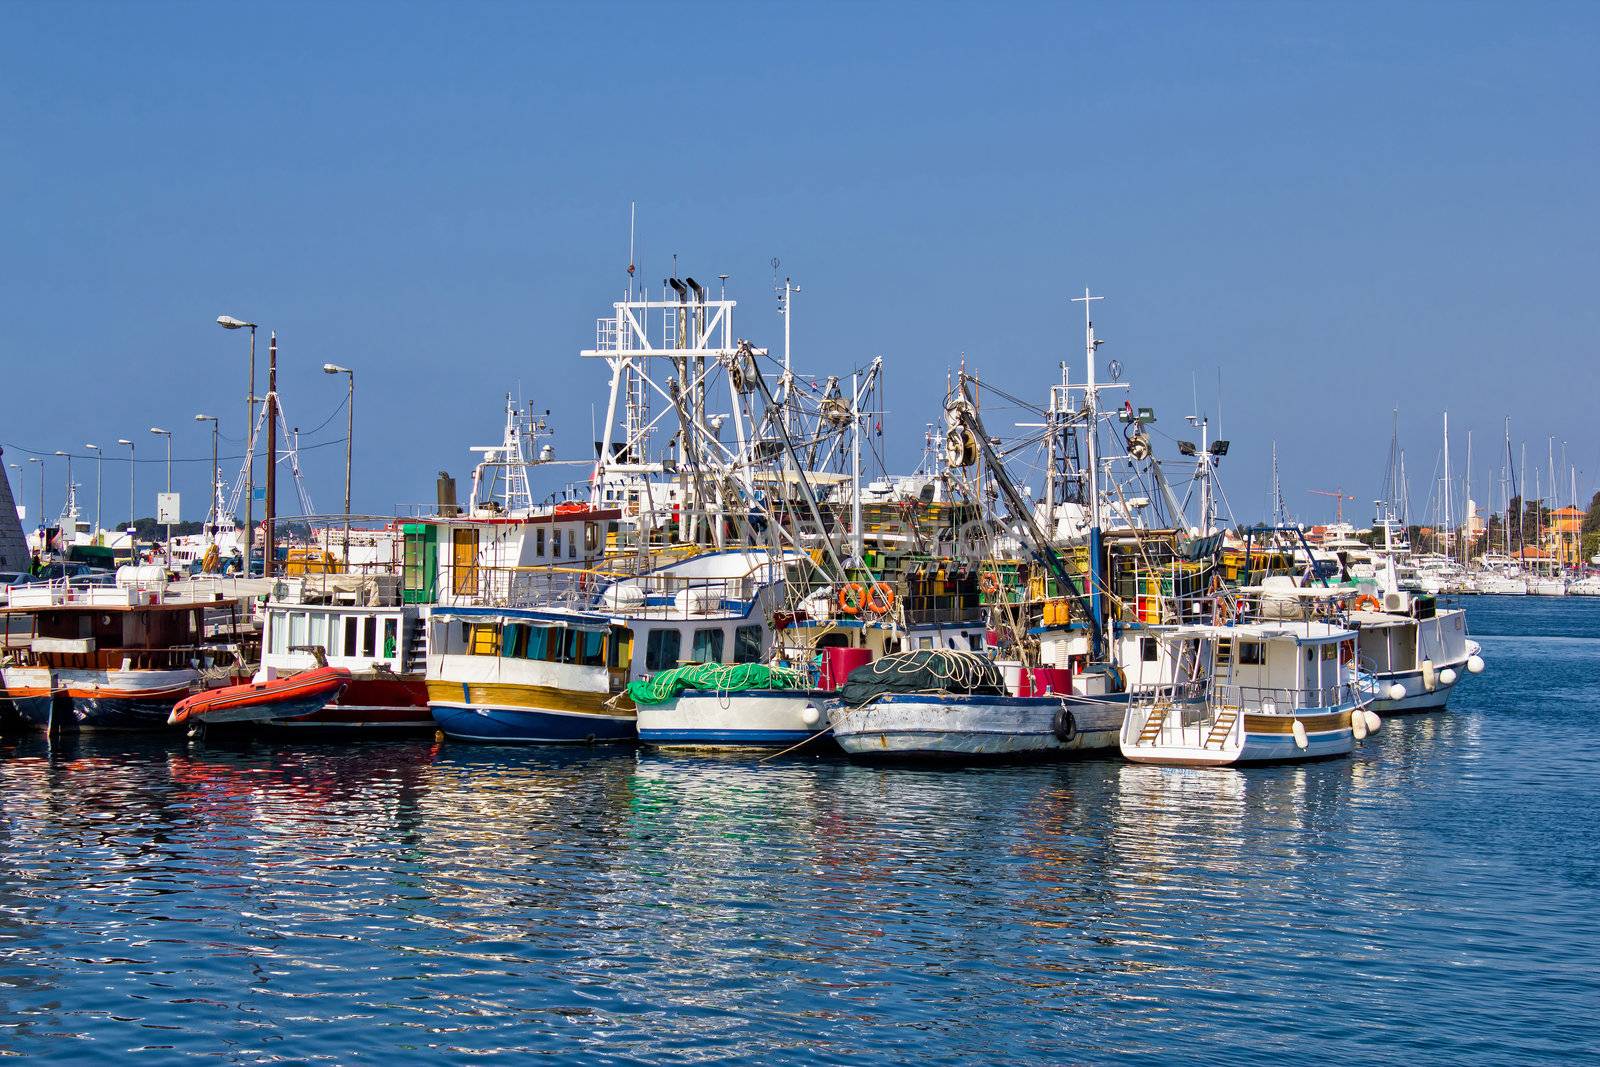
x: 302, y: 694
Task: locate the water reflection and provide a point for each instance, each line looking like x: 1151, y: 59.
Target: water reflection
x: 409, y: 899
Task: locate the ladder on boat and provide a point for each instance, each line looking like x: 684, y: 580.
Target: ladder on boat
x: 1222, y: 726
x: 416, y: 660
x: 1154, y: 724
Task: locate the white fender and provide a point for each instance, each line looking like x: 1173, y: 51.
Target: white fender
x: 1358, y: 725
x: 1397, y: 692
x: 1475, y: 664
x: 1374, y: 723
x: 811, y: 715
x: 1300, y: 739
x: 1447, y: 676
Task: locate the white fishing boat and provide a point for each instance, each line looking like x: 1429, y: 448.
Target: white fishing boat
x: 947, y: 704
x: 1416, y: 650
x: 1260, y: 692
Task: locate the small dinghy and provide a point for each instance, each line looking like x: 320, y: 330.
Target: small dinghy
x: 303, y: 694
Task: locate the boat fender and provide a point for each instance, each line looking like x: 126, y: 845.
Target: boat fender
x: 1373, y: 721
x: 1358, y: 725
x: 1064, y: 726
x: 1397, y: 692
x: 1300, y: 739
x: 1474, y: 664
x: 1430, y: 681
x: 811, y: 715
x: 1447, y: 676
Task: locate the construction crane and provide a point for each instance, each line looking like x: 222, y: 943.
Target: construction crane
x: 1339, y: 497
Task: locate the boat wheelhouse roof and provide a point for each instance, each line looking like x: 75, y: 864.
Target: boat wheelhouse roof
x: 574, y: 620
x: 1305, y: 633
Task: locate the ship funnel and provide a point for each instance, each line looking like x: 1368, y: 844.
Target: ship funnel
x: 446, y: 486
x: 699, y: 290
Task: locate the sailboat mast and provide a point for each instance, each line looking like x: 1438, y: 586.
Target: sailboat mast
x: 1446, y: 524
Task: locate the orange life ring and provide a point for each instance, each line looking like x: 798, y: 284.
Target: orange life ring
x: 880, y: 598
x: 1366, y: 598
x: 989, y: 583
x: 851, y: 596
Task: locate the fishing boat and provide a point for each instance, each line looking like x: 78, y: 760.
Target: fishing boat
x: 1272, y: 691
x: 560, y: 672
x: 108, y: 657
x: 949, y: 704
x: 282, y: 699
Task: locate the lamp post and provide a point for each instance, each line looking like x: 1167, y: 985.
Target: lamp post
x: 349, y: 438
x: 216, y: 472
x: 40, y: 461
x: 98, y: 483
x: 69, y: 506
x: 228, y: 322
x: 159, y: 432
x: 132, y: 467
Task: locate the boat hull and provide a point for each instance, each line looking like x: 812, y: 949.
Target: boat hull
x: 1419, y: 698
x: 758, y: 718
x: 122, y: 700
x: 1263, y: 739
x: 530, y: 715
x: 368, y: 705
x: 922, y: 726
x: 33, y: 694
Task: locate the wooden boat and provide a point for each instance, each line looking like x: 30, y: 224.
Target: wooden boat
x: 303, y: 694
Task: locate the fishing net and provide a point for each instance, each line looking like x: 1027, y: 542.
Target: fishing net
x: 923, y: 671
x: 715, y: 677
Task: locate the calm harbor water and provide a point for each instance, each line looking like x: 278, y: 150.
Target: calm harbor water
x: 1434, y: 898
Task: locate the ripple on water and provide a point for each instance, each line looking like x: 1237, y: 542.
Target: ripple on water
x: 1433, y: 897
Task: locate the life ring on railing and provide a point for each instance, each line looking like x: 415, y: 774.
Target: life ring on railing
x: 851, y: 596
x: 989, y: 583
x: 880, y: 598
x: 1366, y: 598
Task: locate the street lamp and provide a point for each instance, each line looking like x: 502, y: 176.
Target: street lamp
x: 69, y: 508
x: 98, y: 457
x: 132, y: 467
x: 349, y: 438
x: 159, y: 432
x: 216, y: 473
x: 228, y: 322
x: 40, y: 461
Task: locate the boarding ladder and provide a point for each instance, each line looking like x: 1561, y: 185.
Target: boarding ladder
x: 1153, y: 724
x: 1222, y: 726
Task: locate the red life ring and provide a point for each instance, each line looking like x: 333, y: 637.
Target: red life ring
x: 851, y: 596
x: 880, y: 598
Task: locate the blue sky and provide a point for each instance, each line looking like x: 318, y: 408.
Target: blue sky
x: 1339, y: 208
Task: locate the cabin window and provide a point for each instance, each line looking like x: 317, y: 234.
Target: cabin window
x: 538, y: 541
x: 975, y: 642
x: 1147, y: 650
x: 747, y: 644
x: 350, y: 624
x: 278, y: 623
x: 319, y: 630
x: 369, y: 634
x: 591, y: 536
x: 621, y: 649
x: 514, y: 642
x: 572, y: 544
x: 464, y: 562
x: 707, y: 646
x: 537, y: 643
x: 391, y: 629
x: 591, y: 648
x: 1329, y: 651
x: 298, y: 621
x: 924, y: 642
x: 482, y: 639
x: 1252, y: 654
x: 661, y: 649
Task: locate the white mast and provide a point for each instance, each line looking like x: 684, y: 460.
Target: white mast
x: 1448, y: 529
x: 1091, y: 407
x: 857, y: 543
